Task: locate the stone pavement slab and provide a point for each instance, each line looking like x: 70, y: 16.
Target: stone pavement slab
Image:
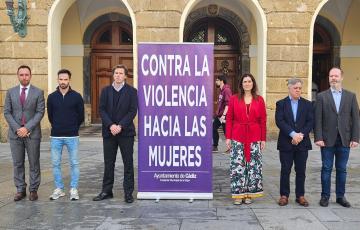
x: 288, y: 219
x: 220, y: 224
x: 219, y: 213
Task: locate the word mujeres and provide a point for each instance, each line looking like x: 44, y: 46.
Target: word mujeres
x: 175, y: 156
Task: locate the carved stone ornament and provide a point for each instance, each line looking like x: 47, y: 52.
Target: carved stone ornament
x: 213, y: 10
x: 225, y: 67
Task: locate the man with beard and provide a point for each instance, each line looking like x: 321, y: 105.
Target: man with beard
x: 66, y: 113
x: 336, y: 131
x: 23, y: 110
x: 222, y: 107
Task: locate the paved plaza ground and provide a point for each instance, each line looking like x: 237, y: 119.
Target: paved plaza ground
x: 218, y: 213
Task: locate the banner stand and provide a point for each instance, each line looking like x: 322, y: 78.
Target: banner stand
x: 175, y: 94
x: 174, y: 196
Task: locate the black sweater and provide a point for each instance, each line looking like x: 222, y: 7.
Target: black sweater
x: 65, y: 113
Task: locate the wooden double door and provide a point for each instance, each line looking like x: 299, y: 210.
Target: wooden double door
x: 226, y: 64
x: 111, y: 45
x: 226, y: 49
x: 102, y: 64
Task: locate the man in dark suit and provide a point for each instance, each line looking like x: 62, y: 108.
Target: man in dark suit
x: 336, y: 131
x: 23, y: 110
x: 294, y: 117
x: 118, y: 108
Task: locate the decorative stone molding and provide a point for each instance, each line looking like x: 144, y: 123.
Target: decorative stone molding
x: 235, y: 20
x: 213, y: 10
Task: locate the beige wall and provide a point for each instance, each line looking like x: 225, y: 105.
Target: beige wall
x: 15, y: 51
x: 351, y: 37
x: 70, y: 29
x: 71, y: 36
x: 351, y: 75
x: 74, y: 64
x: 157, y: 20
x: 288, y: 50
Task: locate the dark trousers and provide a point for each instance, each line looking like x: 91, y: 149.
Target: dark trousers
x: 216, y: 126
x: 287, y: 158
x: 341, y: 155
x: 32, y: 147
x: 111, y: 145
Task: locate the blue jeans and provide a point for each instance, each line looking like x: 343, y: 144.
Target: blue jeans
x: 341, y: 154
x: 72, y: 145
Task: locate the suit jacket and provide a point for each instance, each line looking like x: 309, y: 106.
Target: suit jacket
x: 125, y: 111
x: 329, y: 122
x: 285, y: 122
x: 33, y: 110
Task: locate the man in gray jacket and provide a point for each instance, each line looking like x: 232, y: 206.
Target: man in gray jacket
x: 23, y: 110
x: 336, y: 131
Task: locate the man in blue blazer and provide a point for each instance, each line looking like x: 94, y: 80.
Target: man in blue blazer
x: 336, y: 131
x: 118, y: 108
x: 294, y: 117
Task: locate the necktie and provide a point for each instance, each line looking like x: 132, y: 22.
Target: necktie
x: 22, y: 101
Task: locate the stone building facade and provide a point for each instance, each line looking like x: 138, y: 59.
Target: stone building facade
x: 273, y: 39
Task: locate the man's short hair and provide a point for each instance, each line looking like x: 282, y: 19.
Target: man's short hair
x: 121, y: 66
x: 337, y: 67
x: 222, y: 78
x: 294, y: 81
x: 23, y: 67
x: 64, y: 71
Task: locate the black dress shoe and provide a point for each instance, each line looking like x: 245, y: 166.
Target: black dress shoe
x: 129, y: 198
x: 343, y: 202
x: 19, y: 196
x: 324, y: 202
x: 103, y: 196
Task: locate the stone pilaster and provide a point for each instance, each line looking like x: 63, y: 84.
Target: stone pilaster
x: 288, y: 48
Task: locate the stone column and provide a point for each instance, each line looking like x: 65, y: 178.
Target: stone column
x: 287, y: 50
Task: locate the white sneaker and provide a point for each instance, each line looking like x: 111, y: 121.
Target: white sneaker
x: 58, y: 192
x: 248, y: 201
x: 237, y: 201
x: 74, y: 194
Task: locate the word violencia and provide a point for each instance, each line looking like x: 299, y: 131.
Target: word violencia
x: 175, y: 95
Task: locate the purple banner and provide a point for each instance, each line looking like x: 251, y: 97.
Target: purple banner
x: 175, y: 90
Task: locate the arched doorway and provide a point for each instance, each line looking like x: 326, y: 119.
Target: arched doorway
x: 322, y: 59
x: 226, y: 48
x: 111, y: 44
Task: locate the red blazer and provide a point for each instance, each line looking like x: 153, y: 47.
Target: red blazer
x: 243, y: 128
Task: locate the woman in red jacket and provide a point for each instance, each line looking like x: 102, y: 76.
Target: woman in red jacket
x: 245, y: 137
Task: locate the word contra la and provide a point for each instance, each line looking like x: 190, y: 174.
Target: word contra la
x: 173, y: 65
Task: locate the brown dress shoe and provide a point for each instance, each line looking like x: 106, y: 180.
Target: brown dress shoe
x: 302, y: 201
x: 19, y: 196
x: 33, y: 196
x: 283, y: 201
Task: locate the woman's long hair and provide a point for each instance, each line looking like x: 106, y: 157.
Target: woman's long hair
x: 254, y: 90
